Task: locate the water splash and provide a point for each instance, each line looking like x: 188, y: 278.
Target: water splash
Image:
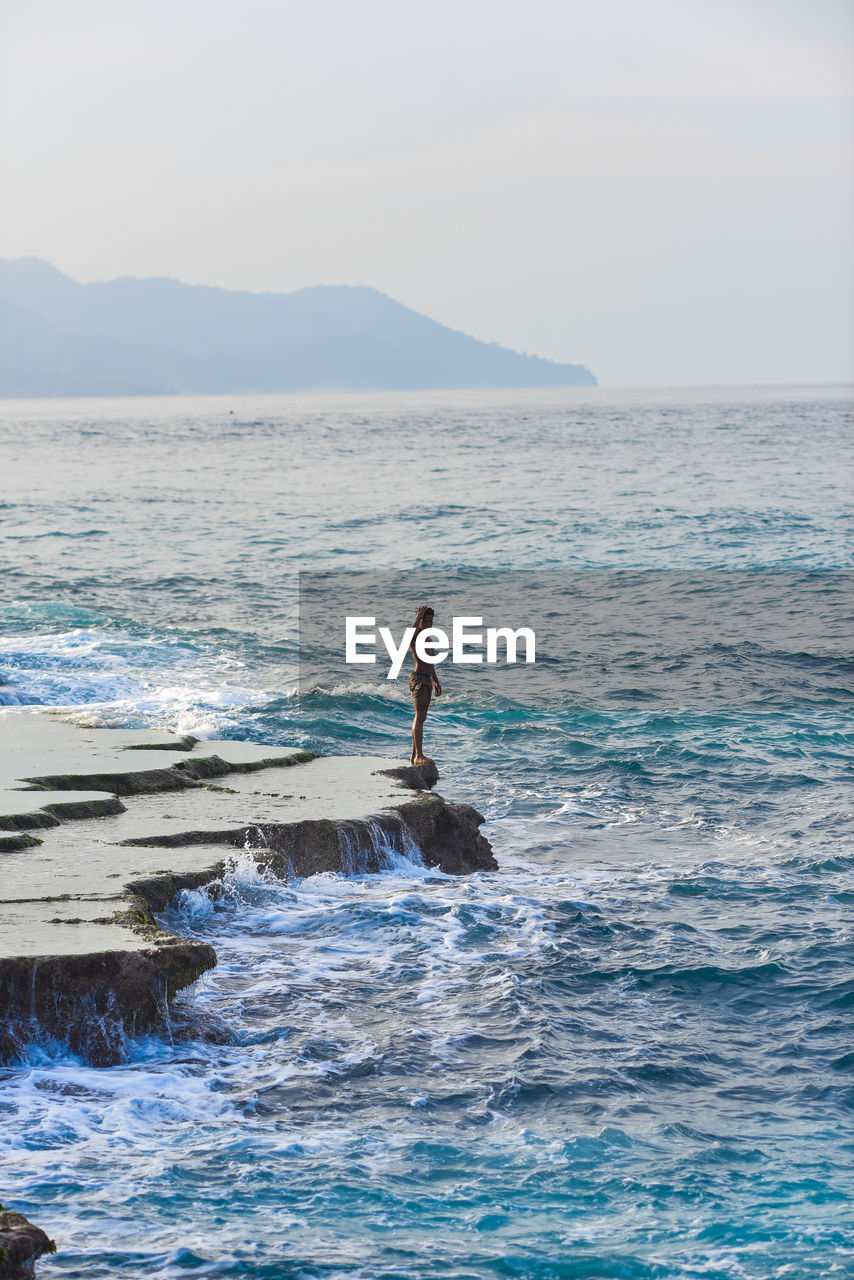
x: 377, y: 844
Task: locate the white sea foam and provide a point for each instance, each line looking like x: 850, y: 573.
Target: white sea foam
x: 392, y: 690
x: 110, y: 677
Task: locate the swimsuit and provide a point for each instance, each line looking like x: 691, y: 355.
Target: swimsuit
x: 419, y: 680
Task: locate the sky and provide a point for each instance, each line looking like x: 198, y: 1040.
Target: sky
x: 662, y: 190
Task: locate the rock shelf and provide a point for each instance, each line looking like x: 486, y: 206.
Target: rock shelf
x: 101, y: 828
x: 21, y: 1245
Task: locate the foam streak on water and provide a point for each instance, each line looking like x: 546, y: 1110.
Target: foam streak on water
x: 625, y: 1054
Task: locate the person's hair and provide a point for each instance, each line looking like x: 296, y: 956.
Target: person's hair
x: 420, y: 613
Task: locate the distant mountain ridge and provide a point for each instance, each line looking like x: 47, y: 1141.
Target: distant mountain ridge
x: 133, y: 336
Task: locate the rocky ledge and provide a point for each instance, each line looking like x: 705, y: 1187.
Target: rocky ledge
x: 21, y: 1245
x: 101, y: 828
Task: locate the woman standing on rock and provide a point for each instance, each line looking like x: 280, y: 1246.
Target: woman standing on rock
x: 422, y: 682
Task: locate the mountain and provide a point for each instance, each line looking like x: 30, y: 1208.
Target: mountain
x: 131, y: 336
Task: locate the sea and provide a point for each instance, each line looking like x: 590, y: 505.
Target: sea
x: 627, y: 1053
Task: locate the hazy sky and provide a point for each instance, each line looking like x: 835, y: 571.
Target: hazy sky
x: 663, y: 191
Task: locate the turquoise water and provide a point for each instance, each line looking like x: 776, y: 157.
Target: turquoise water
x: 628, y: 1053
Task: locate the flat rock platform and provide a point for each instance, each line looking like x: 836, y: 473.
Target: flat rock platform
x: 101, y: 828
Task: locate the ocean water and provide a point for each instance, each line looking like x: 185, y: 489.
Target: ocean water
x: 628, y: 1052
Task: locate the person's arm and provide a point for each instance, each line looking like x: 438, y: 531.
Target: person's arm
x: 431, y: 671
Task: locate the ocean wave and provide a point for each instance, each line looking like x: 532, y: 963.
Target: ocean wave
x: 626, y: 1053
x: 56, y: 533
x: 127, y: 679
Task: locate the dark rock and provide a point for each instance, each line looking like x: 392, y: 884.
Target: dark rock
x: 175, y: 777
x: 158, y: 891
x: 448, y: 835
x: 107, y: 807
x: 92, y: 1003
x: 21, y: 1245
x: 178, y: 742
x: 10, y: 844
x: 183, y: 839
x: 420, y: 777
x: 120, y: 784
x: 28, y: 821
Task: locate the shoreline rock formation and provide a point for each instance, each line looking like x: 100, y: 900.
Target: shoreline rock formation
x: 21, y: 1245
x: 101, y: 828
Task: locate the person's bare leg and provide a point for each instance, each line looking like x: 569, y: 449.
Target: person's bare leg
x: 422, y: 702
